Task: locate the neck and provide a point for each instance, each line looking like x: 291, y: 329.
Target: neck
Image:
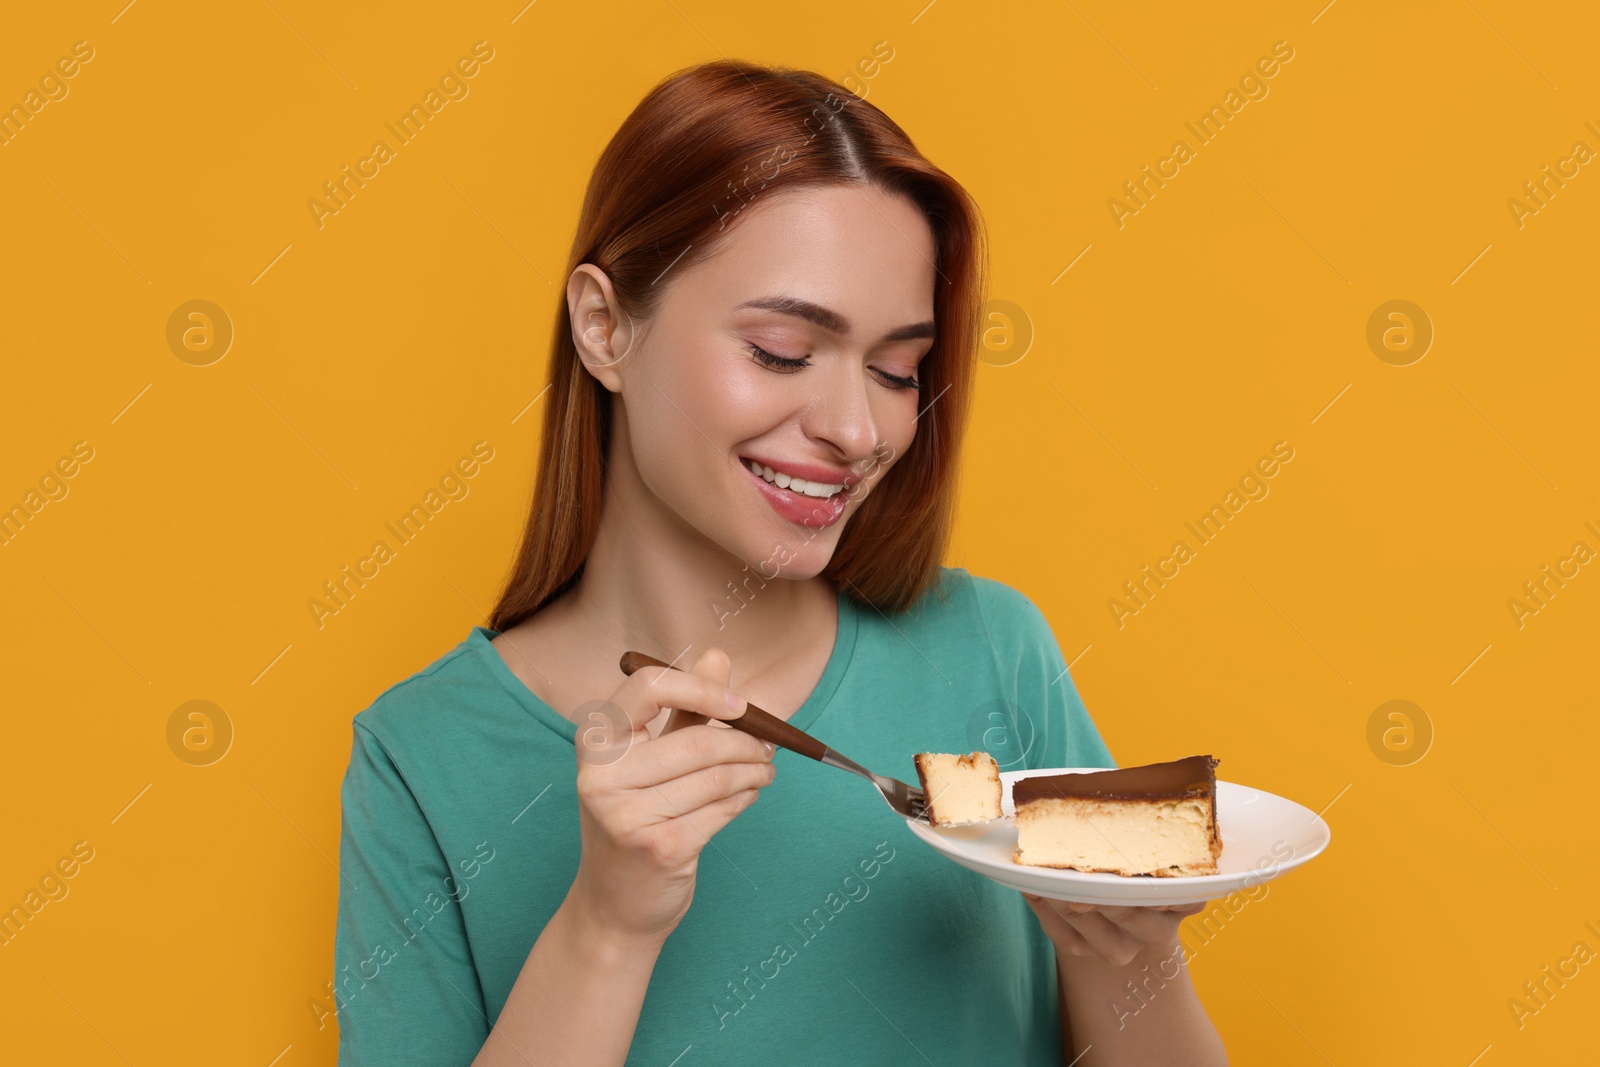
x: 655, y: 584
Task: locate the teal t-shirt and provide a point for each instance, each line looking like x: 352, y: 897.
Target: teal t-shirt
x: 821, y: 931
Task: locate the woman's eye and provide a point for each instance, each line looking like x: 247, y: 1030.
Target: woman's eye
x: 777, y: 362
x: 898, y: 382
x: 784, y: 363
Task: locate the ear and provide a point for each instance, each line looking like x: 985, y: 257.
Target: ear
x: 601, y: 330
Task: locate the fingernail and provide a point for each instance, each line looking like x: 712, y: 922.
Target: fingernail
x: 770, y: 747
x: 735, y: 702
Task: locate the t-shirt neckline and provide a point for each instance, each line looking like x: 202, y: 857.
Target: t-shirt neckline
x: 844, y: 645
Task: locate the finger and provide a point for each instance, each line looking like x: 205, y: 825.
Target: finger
x: 1109, y: 941
x: 694, y: 829
x: 1055, y: 927
x: 688, y: 750
x: 706, y: 786
x: 677, y: 719
x: 1147, y: 925
x: 1058, y: 905
x: 714, y: 664
x: 1070, y: 941
x: 649, y: 689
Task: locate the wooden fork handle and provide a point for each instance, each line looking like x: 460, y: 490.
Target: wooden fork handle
x: 754, y: 721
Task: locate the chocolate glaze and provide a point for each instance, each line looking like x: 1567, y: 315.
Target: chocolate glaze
x: 1194, y: 776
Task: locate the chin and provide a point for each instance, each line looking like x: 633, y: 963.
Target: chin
x: 806, y: 566
x: 792, y: 555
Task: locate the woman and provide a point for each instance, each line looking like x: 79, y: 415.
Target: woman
x: 758, y: 381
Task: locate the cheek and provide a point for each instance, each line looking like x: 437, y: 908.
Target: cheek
x: 733, y: 401
x: 701, y: 376
x: 687, y: 416
x: 752, y: 396
x: 899, y: 426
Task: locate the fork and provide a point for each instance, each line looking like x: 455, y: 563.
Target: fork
x: 906, y: 800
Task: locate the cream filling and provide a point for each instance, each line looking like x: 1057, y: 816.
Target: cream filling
x: 1126, y: 837
x: 962, y: 793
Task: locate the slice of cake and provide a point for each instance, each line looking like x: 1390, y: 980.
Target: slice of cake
x: 961, y: 790
x: 1158, y: 820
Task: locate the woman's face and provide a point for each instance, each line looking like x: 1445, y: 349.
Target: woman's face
x: 792, y: 346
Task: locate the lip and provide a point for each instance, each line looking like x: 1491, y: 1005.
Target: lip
x: 815, y: 512
x: 811, y: 472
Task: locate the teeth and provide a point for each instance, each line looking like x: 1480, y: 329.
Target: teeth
x: 820, y: 490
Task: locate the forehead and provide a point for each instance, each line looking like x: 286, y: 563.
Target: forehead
x: 853, y: 248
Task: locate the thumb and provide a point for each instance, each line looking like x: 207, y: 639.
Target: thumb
x: 714, y: 664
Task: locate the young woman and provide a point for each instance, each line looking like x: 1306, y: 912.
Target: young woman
x: 758, y: 382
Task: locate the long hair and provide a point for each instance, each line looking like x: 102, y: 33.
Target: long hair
x: 704, y: 142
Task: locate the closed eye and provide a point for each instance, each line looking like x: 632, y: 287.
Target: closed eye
x: 783, y: 363
x: 777, y: 362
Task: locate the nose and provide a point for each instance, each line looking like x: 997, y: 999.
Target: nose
x: 841, y: 414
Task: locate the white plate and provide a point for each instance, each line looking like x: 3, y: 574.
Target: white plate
x: 1263, y: 836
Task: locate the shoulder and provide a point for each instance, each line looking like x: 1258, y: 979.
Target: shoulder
x: 958, y: 594
x: 1005, y: 605
x: 421, y: 703
x: 968, y: 617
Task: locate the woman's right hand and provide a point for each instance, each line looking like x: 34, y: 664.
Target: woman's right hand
x: 648, y: 805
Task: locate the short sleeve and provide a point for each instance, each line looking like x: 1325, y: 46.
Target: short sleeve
x: 1052, y: 726
x: 405, y: 988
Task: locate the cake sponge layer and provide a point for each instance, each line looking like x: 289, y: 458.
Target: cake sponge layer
x: 1166, y: 838
x: 961, y: 790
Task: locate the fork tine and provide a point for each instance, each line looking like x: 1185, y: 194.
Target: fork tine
x: 919, y: 803
x: 906, y: 799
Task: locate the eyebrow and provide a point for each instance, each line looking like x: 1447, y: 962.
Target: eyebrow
x: 829, y: 319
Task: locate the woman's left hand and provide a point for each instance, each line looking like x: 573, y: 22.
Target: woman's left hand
x: 1114, y: 933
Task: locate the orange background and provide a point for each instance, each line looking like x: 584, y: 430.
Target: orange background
x: 1229, y: 313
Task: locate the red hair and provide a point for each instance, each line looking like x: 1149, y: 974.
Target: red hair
x: 696, y: 149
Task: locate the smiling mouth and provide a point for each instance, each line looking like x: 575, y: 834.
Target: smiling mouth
x: 798, y: 486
